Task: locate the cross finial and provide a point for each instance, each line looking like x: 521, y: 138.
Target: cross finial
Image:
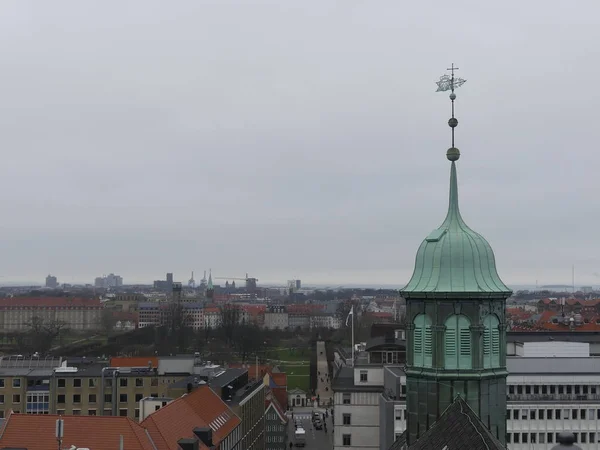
x: 452, y: 69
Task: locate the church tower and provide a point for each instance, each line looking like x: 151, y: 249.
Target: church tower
x: 455, y: 311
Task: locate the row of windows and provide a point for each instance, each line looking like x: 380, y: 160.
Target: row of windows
x: 93, y: 412
x: 275, y: 428
x: 457, y: 342
x: 554, y: 414
x: 274, y: 439
x: 93, y: 382
x: 78, y: 382
x: 553, y: 389
x: 543, y: 438
x: 92, y: 398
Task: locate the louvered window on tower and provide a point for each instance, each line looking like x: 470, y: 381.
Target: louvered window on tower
x: 422, y: 341
x: 457, y: 343
x: 491, y: 342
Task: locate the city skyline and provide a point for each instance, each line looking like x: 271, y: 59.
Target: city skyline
x: 149, y: 135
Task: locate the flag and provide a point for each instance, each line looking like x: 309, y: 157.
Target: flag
x: 351, y: 313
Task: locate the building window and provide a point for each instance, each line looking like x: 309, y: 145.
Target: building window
x: 541, y: 414
x: 138, y: 397
x: 1, y: 399
x: 422, y: 341
x: 76, y: 382
x: 16, y: 382
x: 347, y: 440
x: 123, y: 382
x: 364, y: 376
x: 16, y: 398
x: 123, y: 412
x: 76, y: 398
x: 91, y: 412
x: 139, y: 382
x: 154, y: 382
x: 491, y: 341
x: 398, y: 414
x: 76, y: 412
x: 457, y: 343
x: 346, y: 397
x: 346, y: 419
x: 92, y: 398
x: 137, y: 413
x: 61, y: 382
x: 1, y: 382
x: 107, y: 398
x: 92, y: 382
x: 60, y: 412
x: 60, y: 398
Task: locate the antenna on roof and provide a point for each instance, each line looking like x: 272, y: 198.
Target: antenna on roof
x: 60, y: 431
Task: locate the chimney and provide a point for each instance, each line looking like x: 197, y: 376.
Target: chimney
x: 205, y: 435
x: 188, y: 444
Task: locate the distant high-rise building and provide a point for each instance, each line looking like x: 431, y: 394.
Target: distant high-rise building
x: 165, y: 285
x: 51, y: 282
x: 108, y: 281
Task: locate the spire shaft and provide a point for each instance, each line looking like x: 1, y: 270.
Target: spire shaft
x: 453, y: 215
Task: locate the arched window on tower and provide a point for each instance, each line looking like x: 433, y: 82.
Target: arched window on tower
x: 457, y: 343
x: 491, y: 341
x: 422, y: 341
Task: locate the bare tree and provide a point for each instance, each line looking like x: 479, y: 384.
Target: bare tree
x: 107, y: 321
x: 230, y: 320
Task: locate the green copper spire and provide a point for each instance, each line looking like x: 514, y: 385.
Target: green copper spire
x: 454, y: 259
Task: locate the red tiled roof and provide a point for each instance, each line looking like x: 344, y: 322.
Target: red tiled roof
x: 49, y: 302
x: 135, y: 361
x: 37, y: 432
x: 280, y: 393
x: 254, y: 309
x: 304, y: 309
x: 280, y: 379
x: 178, y: 419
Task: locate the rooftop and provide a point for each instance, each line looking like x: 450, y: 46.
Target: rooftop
x: 177, y: 420
x: 454, y: 259
x: 457, y: 428
x: 48, y: 302
x: 37, y: 432
x: 344, y: 381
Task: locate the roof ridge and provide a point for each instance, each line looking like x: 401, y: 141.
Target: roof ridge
x: 132, y: 426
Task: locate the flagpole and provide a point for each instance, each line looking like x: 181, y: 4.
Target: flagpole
x: 353, y: 336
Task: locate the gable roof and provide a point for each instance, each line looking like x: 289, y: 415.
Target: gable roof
x: 457, y: 428
x: 177, y: 420
x: 37, y: 432
x: 274, y: 405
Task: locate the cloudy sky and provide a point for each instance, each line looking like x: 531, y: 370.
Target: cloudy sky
x: 294, y: 139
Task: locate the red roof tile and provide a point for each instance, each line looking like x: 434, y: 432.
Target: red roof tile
x: 37, y: 432
x: 280, y: 379
x: 49, y: 302
x: 178, y: 419
x: 135, y: 361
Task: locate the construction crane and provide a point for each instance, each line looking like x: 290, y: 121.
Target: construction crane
x: 250, y: 281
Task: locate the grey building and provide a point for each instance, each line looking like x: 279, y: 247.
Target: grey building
x: 276, y: 436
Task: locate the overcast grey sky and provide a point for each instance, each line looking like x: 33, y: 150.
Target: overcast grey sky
x: 294, y: 139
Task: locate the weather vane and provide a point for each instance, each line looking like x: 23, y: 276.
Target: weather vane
x: 449, y: 83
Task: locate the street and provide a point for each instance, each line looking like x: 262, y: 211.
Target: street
x: 323, y: 382
x: 315, y: 439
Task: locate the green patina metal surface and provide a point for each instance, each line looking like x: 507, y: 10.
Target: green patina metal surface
x: 454, y: 258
